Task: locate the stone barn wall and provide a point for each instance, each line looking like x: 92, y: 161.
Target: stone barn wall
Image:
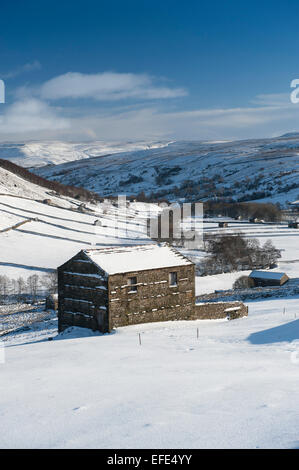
x: 268, y: 282
x: 83, y: 295
x: 155, y: 300
x: 89, y: 298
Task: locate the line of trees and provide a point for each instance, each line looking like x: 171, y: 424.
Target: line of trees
x: 228, y: 253
x: 265, y: 211
x: 32, y: 288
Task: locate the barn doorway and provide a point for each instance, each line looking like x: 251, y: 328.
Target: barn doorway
x: 101, y: 320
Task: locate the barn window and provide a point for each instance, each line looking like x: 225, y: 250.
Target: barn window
x: 173, y: 279
x: 133, y: 284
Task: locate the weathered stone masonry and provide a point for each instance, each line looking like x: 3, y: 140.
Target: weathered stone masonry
x: 82, y: 295
x: 218, y: 310
x: 90, y: 297
x: 155, y: 300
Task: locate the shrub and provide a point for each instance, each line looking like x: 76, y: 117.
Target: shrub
x: 243, y: 282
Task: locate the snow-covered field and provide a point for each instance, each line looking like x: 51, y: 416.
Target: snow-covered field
x: 234, y: 387
x: 284, y: 238
x: 59, y: 233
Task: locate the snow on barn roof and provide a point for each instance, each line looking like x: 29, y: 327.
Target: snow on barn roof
x: 122, y: 259
x: 266, y: 275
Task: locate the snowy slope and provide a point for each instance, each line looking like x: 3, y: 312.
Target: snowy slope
x: 35, y: 154
x: 234, y: 387
x: 265, y: 169
x: 53, y: 234
x: 59, y: 232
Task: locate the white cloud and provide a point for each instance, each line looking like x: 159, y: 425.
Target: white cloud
x: 28, y: 67
x: 153, y: 123
x: 34, y: 116
x: 109, y: 86
x: 33, y: 119
x: 30, y: 115
x: 273, y: 99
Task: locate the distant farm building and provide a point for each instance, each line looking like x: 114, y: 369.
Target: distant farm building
x: 268, y: 278
x: 295, y: 206
x: 97, y: 223
x: 293, y: 224
x: 223, y: 224
x: 48, y: 202
x: 254, y: 220
x: 51, y: 302
x: 116, y: 286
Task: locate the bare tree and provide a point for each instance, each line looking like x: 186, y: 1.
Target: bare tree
x: 50, y: 282
x: 270, y: 254
x: 13, y: 287
x: 21, y: 286
x: 235, y: 252
x: 32, y: 284
x: 4, y: 286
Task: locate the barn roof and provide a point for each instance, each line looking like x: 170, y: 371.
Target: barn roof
x: 122, y: 259
x: 267, y: 275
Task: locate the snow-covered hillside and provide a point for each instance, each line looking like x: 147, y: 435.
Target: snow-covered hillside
x: 236, y: 386
x: 35, y: 154
x: 265, y: 169
x: 53, y: 233
x: 56, y: 232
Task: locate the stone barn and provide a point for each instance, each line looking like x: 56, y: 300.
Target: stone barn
x: 117, y: 286
x: 268, y: 278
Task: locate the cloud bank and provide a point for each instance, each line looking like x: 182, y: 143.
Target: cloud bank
x: 30, y: 116
x: 108, y: 86
x: 114, y: 106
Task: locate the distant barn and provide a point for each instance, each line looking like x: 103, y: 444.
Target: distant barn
x: 295, y: 206
x: 293, y: 224
x: 48, y: 202
x: 51, y: 302
x: 223, y: 224
x: 268, y: 278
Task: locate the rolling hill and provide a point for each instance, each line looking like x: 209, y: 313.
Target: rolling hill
x: 264, y: 169
x: 188, y: 385
x: 40, y: 153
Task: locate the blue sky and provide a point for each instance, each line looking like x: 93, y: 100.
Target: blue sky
x: 115, y: 70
